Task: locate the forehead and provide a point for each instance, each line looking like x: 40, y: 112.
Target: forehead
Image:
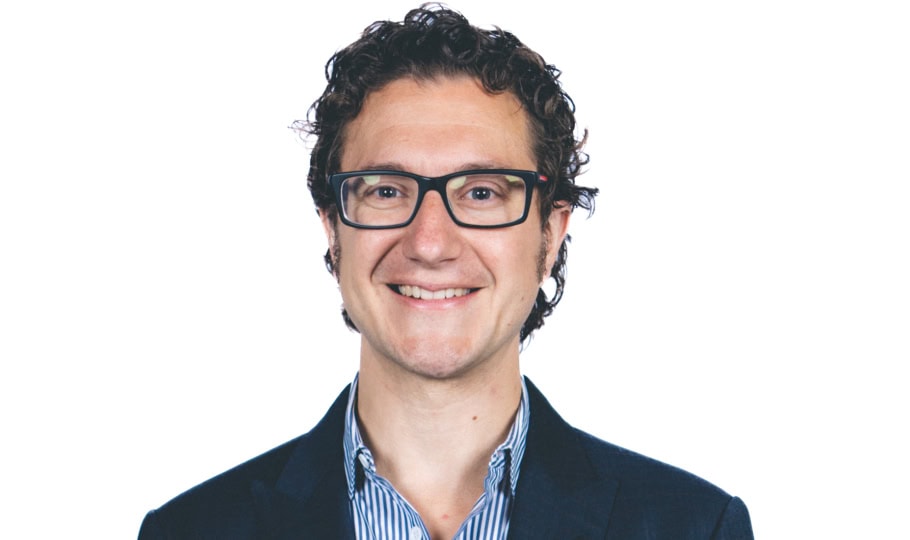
x: 437, y: 126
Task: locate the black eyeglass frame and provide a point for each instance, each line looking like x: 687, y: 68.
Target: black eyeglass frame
x: 437, y: 184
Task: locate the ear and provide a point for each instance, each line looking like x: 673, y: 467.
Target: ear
x: 556, y: 228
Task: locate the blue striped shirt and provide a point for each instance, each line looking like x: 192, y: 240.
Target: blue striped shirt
x: 381, y: 513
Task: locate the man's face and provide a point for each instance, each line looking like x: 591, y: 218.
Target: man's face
x: 434, y: 128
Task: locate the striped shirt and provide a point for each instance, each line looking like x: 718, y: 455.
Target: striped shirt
x: 381, y: 513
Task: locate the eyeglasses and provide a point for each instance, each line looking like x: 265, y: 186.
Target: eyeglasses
x: 481, y: 198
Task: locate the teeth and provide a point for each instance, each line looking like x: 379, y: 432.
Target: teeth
x: 416, y: 292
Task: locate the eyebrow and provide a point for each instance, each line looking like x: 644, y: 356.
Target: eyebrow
x: 393, y: 166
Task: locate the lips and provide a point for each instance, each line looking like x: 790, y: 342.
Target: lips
x: 425, y: 294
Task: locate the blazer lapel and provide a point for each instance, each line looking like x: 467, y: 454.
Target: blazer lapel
x: 559, y: 493
x: 309, y: 499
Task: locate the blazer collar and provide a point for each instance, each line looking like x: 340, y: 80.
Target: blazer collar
x: 309, y: 498
x: 560, y: 493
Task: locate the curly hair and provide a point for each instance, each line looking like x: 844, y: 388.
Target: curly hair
x: 433, y: 41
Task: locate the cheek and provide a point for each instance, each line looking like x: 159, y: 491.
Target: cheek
x: 358, y: 254
x: 521, y: 260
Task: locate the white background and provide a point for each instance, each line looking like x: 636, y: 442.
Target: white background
x: 737, y: 306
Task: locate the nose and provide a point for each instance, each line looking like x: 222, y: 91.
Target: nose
x: 432, y: 237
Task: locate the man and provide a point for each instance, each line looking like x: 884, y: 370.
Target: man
x: 444, y: 174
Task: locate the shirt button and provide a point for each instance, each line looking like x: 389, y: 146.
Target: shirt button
x: 416, y: 533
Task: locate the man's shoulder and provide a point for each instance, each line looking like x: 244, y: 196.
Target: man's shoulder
x: 638, y: 472
x: 643, y: 497
x: 231, y: 505
x: 233, y: 486
x: 632, y: 470
x: 661, y: 497
x: 647, y: 480
x: 224, y: 502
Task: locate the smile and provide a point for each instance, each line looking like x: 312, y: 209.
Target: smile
x: 416, y: 292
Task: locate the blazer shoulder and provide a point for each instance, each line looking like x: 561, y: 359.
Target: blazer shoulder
x: 634, y: 496
x: 638, y: 471
x: 223, y: 503
x: 655, y: 495
x: 226, y: 505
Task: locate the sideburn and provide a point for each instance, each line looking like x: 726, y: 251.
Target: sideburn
x: 333, y: 265
x: 542, y: 257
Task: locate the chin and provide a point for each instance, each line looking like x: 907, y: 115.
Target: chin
x: 435, y: 360
x: 437, y: 366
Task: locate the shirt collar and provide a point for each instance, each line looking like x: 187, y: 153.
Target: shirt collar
x: 509, y: 453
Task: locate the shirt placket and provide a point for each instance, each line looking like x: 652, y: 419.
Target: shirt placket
x: 414, y: 529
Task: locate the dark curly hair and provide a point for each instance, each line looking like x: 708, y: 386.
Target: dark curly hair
x: 433, y: 41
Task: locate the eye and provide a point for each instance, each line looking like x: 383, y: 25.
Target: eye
x: 480, y: 193
x: 386, y: 192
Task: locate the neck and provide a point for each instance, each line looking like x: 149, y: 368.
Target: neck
x: 427, y: 417
x: 432, y: 438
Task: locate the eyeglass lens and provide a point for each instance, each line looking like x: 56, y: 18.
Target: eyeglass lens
x: 487, y: 199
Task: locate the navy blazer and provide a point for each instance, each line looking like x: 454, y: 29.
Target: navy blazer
x: 572, y: 486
